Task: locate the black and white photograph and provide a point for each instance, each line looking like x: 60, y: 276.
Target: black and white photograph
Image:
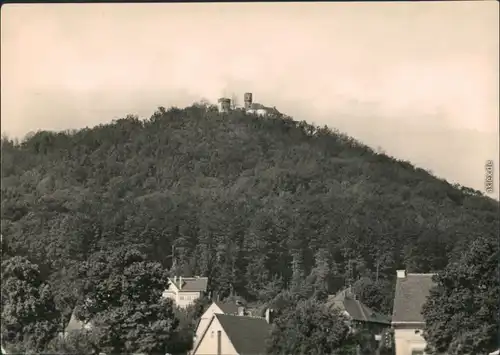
x: 250, y: 178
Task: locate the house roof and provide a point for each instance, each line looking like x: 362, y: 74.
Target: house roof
x: 356, y: 309
x: 410, y: 295
x: 227, y: 307
x: 74, y: 324
x: 191, y: 284
x: 247, y: 334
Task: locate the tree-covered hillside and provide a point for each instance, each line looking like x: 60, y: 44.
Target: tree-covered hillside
x: 250, y: 202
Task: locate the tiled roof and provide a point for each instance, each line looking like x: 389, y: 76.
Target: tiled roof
x: 191, y: 284
x: 227, y: 307
x: 247, y: 334
x: 410, y: 295
x: 357, y: 310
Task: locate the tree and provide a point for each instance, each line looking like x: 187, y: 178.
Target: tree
x: 320, y: 274
x: 377, y: 295
x: 74, y: 342
x: 124, y: 303
x: 188, y: 320
x: 29, y: 316
x: 311, y: 328
x: 462, y: 311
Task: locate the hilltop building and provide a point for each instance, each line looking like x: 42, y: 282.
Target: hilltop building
x: 225, y: 105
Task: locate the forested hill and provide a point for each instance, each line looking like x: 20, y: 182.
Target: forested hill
x: 245, y: 200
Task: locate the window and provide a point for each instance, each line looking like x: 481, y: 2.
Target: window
x: 417, y: 352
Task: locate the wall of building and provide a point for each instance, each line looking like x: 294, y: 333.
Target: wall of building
x: 205, y: 320
x: 208, y: 345
x: 171, y: 293
x: 408, y: 340
x: 185, y: 299
x: 181, y: 298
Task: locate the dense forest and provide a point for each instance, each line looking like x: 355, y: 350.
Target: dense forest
x: 257, y: 204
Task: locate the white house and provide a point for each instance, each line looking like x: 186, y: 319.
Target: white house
x: 75, y: 324
x: 410, y: 295
x: 228, y: 308
x: 234, y: 335
x: 185, y: 290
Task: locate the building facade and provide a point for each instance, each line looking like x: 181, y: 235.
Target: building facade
x: 184, y: 291
x: 234, y: 335
x: 408, y: 323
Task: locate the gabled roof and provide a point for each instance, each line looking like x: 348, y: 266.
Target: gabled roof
x: 410, y: 295
x: 191, y: 284
x: 74, y: 323
x: 356, y: 310
x: 227, y: 307
x: 247, y: 334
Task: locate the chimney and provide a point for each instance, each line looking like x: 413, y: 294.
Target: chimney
x: 248, y: 100
x: 180, y: 282
x: 219, y: 342
x: 175, y: 280
x: 401, y: 274
x: 241, y: 311
x: 269, y: 315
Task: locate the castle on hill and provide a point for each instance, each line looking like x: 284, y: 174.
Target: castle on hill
x: 225, y: 105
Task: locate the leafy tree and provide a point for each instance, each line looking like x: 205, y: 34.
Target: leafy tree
x: 29, y: 317
x: 311, y: 328
x: 320, y: 275
x: 378, y: 295
x: 123, y: 301
x: 462, y: 311
x: 188, y: 320
x: 74, y: 342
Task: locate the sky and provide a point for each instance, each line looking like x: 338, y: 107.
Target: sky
x: 416, y: 79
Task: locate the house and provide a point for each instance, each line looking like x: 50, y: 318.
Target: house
x: 261, y: 110
x: 75, y: 324
x: 185, y: 290
x: 228, y: 308
x: 224, y: 104
x: 410, y: 295
x: 234, y: 335
x: 355, y: 310
x: 358, y: 313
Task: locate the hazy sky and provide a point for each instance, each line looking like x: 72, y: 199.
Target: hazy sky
x: 418, y: 79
